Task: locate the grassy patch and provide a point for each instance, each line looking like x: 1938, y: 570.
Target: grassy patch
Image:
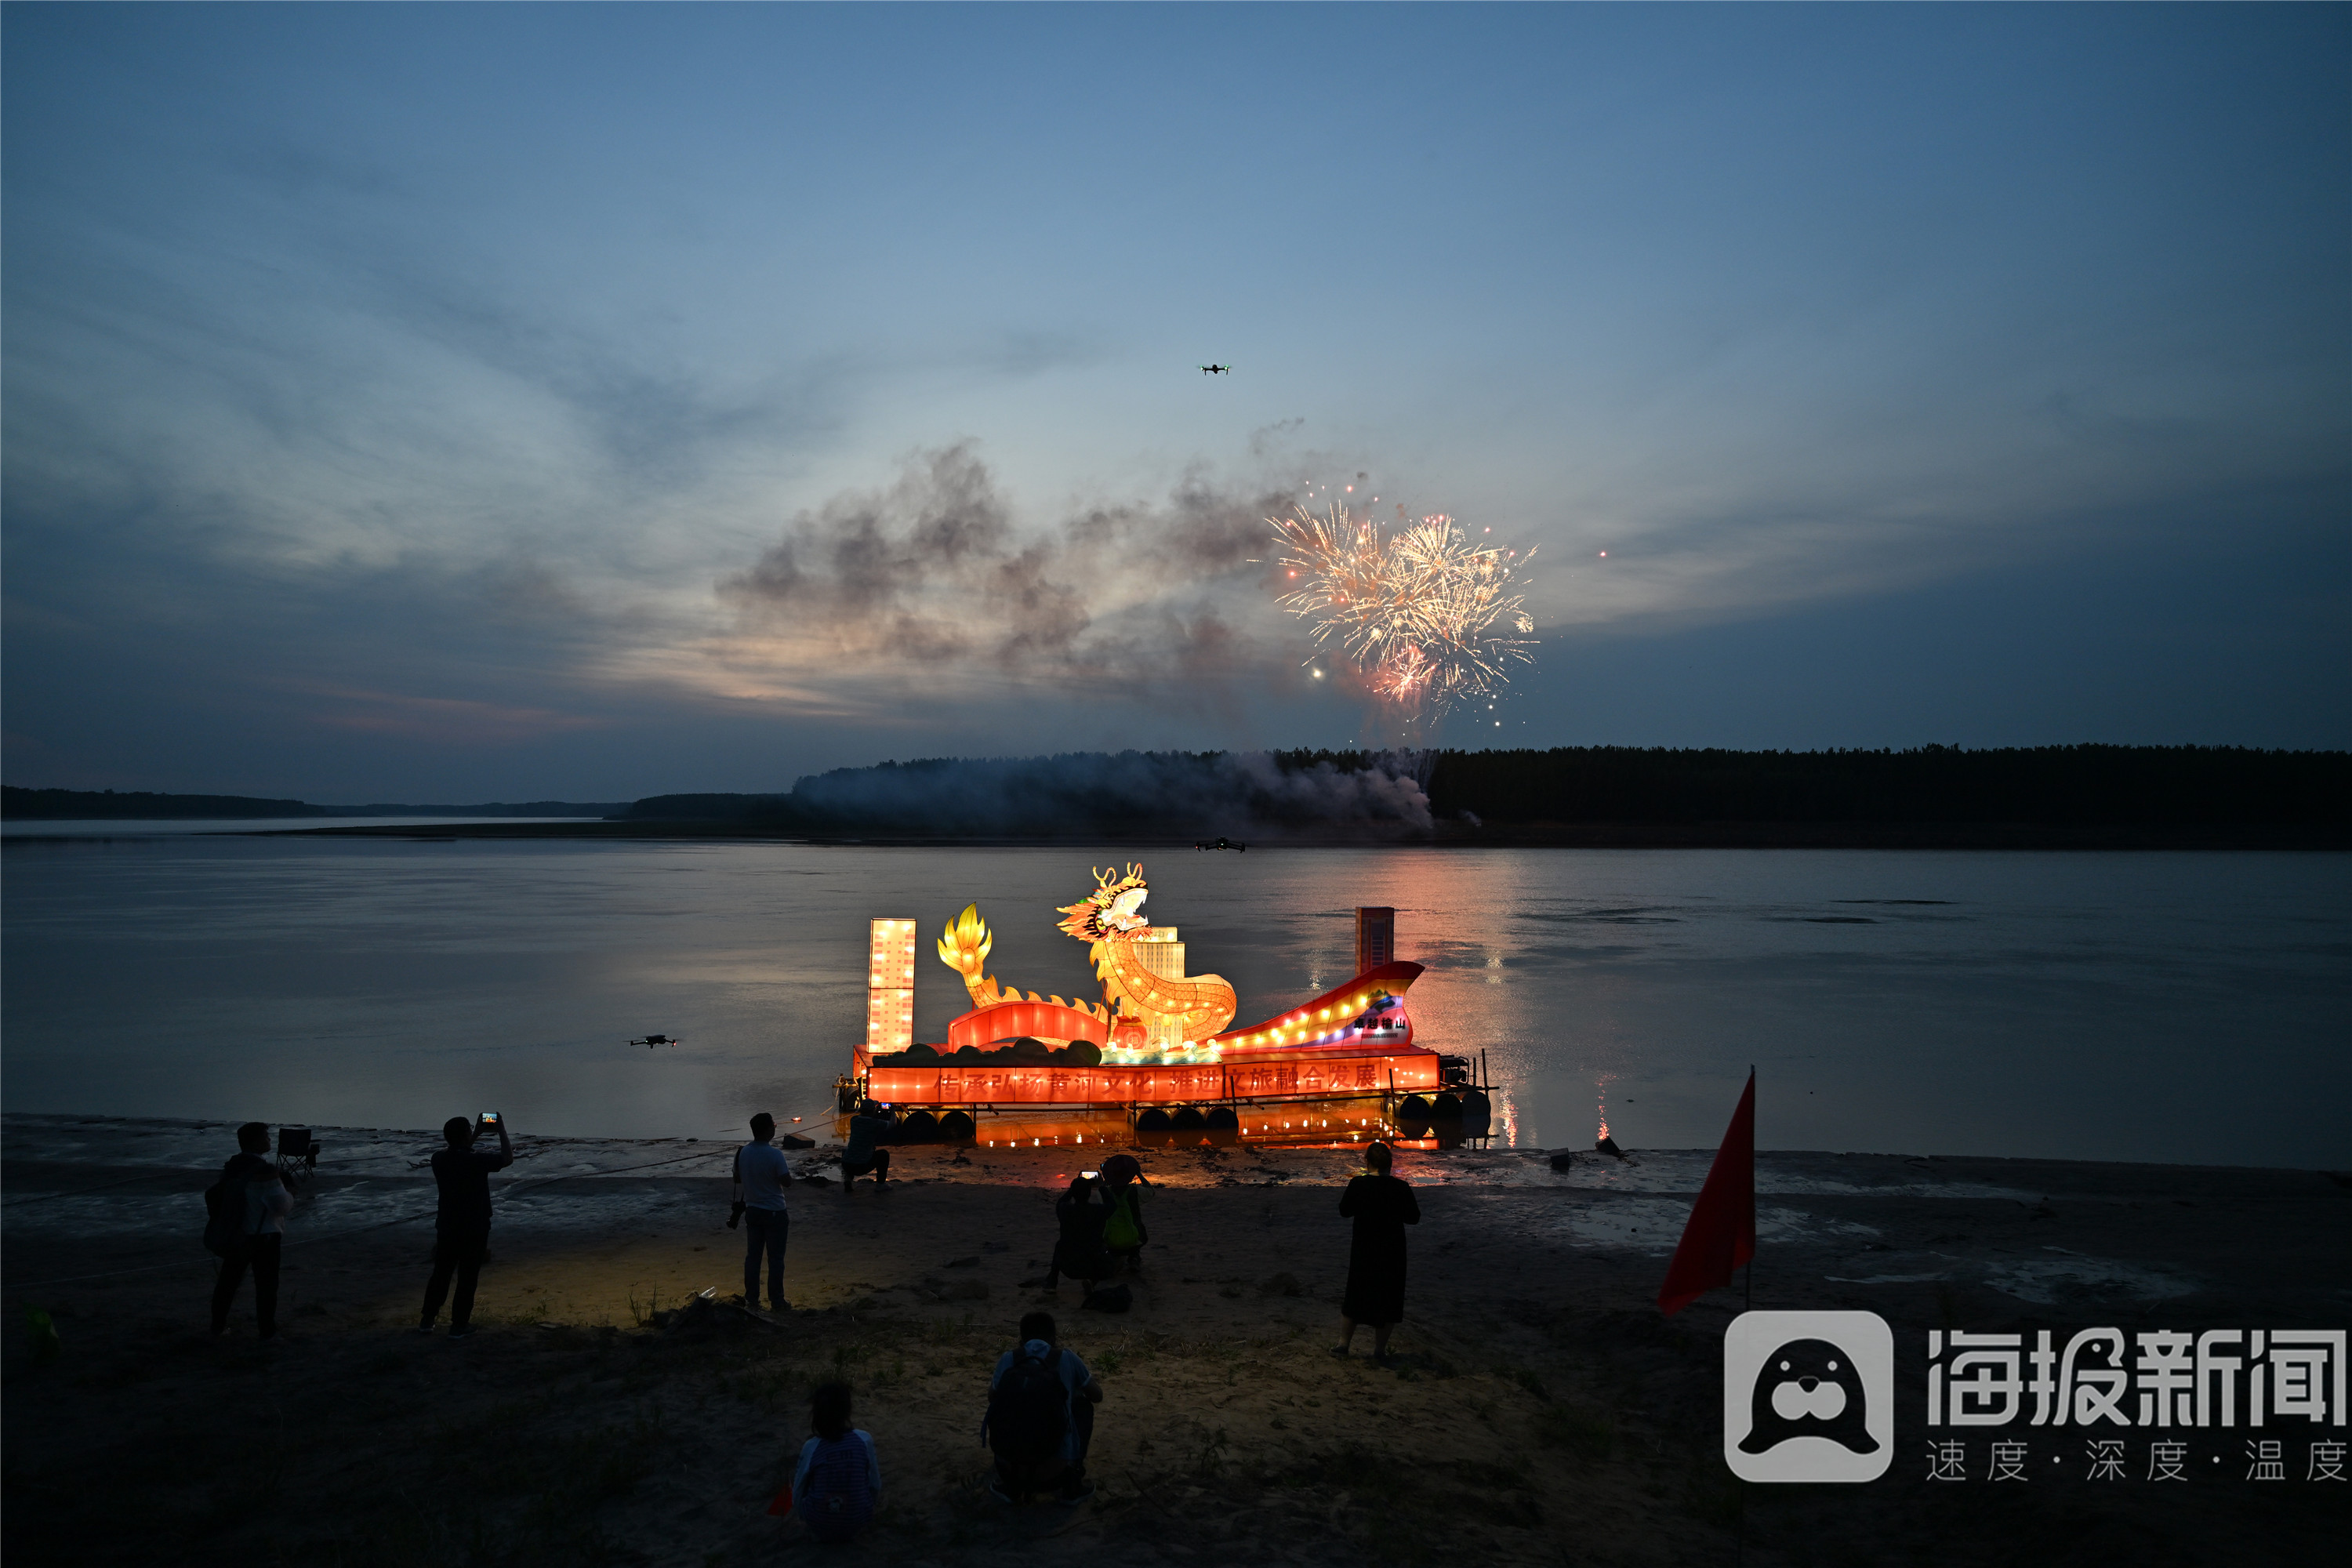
x: 1587, y: 1434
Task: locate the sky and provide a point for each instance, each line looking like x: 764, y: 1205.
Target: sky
x: 470, y: 403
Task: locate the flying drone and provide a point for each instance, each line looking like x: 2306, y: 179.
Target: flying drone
x: 655, y: 1041
x: 1216, y: 369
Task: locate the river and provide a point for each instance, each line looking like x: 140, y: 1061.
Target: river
x: 2185, y: 1008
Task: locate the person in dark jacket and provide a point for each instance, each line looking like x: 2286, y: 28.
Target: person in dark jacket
x: 1021, y: 1470
x: 1382, y: 1206
x: 865, y: 1150
x: 461, y: 1230
x: 1078, y: 1250
x: 261, y: 1203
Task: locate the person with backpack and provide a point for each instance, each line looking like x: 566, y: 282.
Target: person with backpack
x: 1381, y: 1205
x: 1123, y: 1233
x: 761, y: 1174
x: 244, y: 1224
x: 461, y: 1227
x: 1041, y: 1417
x: 838, y: 1481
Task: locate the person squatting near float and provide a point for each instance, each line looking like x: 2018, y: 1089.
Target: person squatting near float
x: 866, y: 1152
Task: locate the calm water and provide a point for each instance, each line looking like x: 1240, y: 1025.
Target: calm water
x: 2172, y: 1007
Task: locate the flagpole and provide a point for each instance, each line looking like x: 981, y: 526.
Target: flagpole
x: 1747, y: 1278
x: 1748, y: 1274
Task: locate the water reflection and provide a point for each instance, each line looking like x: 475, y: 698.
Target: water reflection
x: 2064, y: 1004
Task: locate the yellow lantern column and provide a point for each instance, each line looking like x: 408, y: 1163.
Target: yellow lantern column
x: 889, y: 989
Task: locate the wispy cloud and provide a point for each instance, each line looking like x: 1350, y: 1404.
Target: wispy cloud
x: 441, y: 721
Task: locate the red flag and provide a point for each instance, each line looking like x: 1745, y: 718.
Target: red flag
x: 1721, y: 1235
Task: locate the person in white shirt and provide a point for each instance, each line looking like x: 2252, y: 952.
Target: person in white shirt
x: 267, y: 1204
x: 761, y: 1174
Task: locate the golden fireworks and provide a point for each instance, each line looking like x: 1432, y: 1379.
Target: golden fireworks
x: 1425, y: 616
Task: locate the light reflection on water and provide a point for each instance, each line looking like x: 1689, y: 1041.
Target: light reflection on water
x: 2182, y: 1008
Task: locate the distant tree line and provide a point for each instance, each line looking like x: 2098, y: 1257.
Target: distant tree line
x: 2053, y: 785
x: 34, y: 804
x: 118, y: 805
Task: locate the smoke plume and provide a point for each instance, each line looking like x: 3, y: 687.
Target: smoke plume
x: 932, y: 572
x: 1176, y: 795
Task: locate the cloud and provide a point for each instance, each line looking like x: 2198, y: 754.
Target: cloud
x: 440, y: 719
x: 933, y: 578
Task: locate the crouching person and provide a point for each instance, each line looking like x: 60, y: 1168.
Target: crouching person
x: 839, y: 1478
x: 1041, y: 1417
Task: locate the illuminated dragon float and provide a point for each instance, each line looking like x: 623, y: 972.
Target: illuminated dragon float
x: 1159, y: 1037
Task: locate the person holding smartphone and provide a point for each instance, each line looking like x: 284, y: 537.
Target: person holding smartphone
x: 1078, y: 1249
x: 461, y: 1229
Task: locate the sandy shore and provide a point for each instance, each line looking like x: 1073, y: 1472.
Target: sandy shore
x: 1543, y: 1411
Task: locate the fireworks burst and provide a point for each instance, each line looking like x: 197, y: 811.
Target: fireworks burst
x: 1425, y: 616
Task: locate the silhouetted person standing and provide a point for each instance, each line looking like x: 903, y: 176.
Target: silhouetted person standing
x: 461, y: 1230
x: 761, y: 1174
x: 1382, y: 1206
x: 263, y: 1203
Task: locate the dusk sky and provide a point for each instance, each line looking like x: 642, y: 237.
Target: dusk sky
x: 464, y: 403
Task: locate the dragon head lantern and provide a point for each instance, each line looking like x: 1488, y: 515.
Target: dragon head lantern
x: 1115, y: 909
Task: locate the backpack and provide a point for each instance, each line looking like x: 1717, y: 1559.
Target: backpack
x: 225, y: 1235
x: 837, y: 1497
x: 1029, y: 1414
x: 1123, y: 1231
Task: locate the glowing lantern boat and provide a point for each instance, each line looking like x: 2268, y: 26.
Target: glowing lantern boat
x: 1157, y: 1047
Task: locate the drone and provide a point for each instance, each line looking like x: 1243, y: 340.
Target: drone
x: 656, y: 1040
x: 1216, y: 369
